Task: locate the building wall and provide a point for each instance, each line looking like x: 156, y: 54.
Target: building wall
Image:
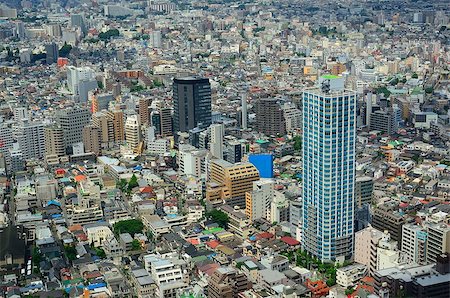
x: 329, y: 173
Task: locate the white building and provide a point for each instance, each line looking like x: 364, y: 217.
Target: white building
x: 191, y: 161
x: 97, y: 234
x: 216, y: 141
x: 167, y: 274
x: 350, y: 275
x: 31, y: 139
x: 159, y: 146
x: 258, y: 202
x: 414, y: 241
x: 133, y: 132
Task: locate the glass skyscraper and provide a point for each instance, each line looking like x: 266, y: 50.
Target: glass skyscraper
x: 329, y: 132
x: 192, y: 103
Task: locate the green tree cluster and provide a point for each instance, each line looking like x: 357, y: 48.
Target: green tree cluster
x: 136, y: 245
x: 131, y: 226
x: 64, y: 51
x: 218, y: 216
x: 297, y: 143
x: 108, y: 34
x: 70, y: 252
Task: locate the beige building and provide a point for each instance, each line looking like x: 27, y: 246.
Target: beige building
x: 118, y: 125
x: 54, y: 143
x: 364, y: 240
x: 144, y: 115
x: 230, y: 182
x: 106, y: 126
x: 92, y: 139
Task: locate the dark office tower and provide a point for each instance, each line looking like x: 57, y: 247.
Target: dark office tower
x: 156, y: 122
x: 52, y: 53
x: 166, y: 122
x: 72, y: 121
x: 270, y: 117
x: 192, y: 103
x: 144, y: 113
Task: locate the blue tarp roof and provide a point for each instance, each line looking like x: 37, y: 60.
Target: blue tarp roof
x: 96, y: 286
x: 54, y: 202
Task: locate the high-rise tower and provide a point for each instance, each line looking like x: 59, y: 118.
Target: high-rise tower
x: 329, y: 129
x: 192, y: 103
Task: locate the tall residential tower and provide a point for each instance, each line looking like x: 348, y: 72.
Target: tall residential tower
x: 329, y: 129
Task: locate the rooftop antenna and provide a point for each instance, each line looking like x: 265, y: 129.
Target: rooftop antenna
x: 326, y: 86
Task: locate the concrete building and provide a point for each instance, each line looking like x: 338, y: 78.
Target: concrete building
x: 234, y: 151
x: 54, y: 144
x: 383, y: 121
x: 106, y: 128
x: 386, y: 217
x: 144, y: 285
x: 80, y: 80
x: 52, y: 53
x: 216, y: 140
x: 232, y: 181
x: 31, y: 139
x: 226, y: 282
x: 92, y: 139
x: 166, y: 123
x: 191, y: 161
x: 426, y: 281
x: 364, y: 241
x: 270, y: 117
x: 97, y: 233
x: 167, y: 274
x: 144, y: 113
x: 363, y: 191
x: 117, y: 119
x: 133, y: 132
x: 292, y: 116
x: 414, y: 243
x: 438, y: 241
x: 350, y: 275
x: 72, y: 121
x: 159, y: 146
x: 257, y: 202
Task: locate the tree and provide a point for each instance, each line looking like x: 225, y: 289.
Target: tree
x: 297, y: 143
x: 108, y: 34
x: 122, y: 184
x: 429, y: 90
x: 218, y: 216
x: 36, y: 256
x: 136, y: 245
x: 100, y: 253
x: 131, y: 226
x: 71, y: 252
x: 132, y: 183
x: 100, y: 85
x: 415, y: 76
x: 65, y: 50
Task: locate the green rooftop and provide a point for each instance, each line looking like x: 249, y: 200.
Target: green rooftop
x: 329, y: 77
x: 262, y: 141
x: 212, y: 231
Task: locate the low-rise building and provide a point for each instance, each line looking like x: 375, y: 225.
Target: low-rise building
x: 350, y: 275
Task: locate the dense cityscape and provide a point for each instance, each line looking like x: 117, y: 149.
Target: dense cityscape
x: 224, y: 148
